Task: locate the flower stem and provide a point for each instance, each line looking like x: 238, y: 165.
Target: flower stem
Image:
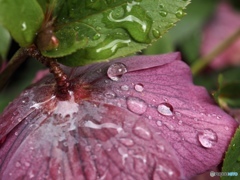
x: 18, y: 58
x: 62, y: 83
x: 201, y: 63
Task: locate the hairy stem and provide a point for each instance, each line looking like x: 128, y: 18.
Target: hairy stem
x: 201, y: 63
x: 62, y: 84
x: 18, y: 58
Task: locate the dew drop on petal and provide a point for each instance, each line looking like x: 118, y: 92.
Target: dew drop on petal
x: 142, y: 131
x: 165, y: 109
x: 139, y: 87
x: 159, y: 123
x: 110, y: 95
x: 116, y: 70
x: 136, y: 105
x: 207, y: 138
x: 126, y: 141
x: 124, y: 87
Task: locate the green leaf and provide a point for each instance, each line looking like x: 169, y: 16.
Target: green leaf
x: 232, y: 158
x: 105, y: 29
x: 5, y: 40
x: 22, y: 18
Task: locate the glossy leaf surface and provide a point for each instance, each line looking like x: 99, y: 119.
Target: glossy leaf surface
x: 100, y: 30
x: 22, y: 18
x: 232, y: 159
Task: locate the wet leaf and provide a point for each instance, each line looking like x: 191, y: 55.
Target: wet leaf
x: 22, y: 18
x: 100, y: 30
x: 232, y: 159
x: 124, y: 119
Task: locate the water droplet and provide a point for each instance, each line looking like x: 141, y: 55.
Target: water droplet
x: 96, y: 36
x: 180, y: 122
x: 18, y: 164
x: 93, y: 125
x: 141, y: 131
x: 156, y: 33
x: 139, y: 87
x: 165, y: 109
x: 163, y: 13
x: 137, y: 25
x: 179, y: 13
x: 98, y: 28
x: 116, y: 70
x: 126, y: 141
x: 233, y: 146
x: 136, y: 105
x: 207, y: 138
x: 24, y: 26
x: 159, y: 123
x: 16, y: 133
x: 161, y: 6
x: 124, y: 87
x: 110, y: 95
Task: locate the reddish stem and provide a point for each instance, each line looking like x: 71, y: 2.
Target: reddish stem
x: 61, y: 78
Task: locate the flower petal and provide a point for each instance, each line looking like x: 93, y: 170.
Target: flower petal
x: 140, y: 117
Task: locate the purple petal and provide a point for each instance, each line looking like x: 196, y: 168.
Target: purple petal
x: 225, y: 23
x: 133, y: 118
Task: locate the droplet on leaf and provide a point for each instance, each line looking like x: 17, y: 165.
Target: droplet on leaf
x: 156, y: 33
x: 97, y: 36
x: 165, y: 109
x: 116, y: 70
x: 163, y: 13
x: 179, y: 13
x: 207, y: 138
x: 136, y: 105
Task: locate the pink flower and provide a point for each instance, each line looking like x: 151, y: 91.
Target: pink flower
x: 224, y: 23
x: 133, y: 118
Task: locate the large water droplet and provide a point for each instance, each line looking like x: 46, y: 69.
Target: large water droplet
x: 116, y: 70
x: 207, y: 138
x: 136, y: 105
x: 165, y: 109
x: 139, y: 87
x: 134, y: 20
x: 141, y: 131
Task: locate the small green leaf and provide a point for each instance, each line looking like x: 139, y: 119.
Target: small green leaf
x: 5, y: 40
x: 105, y: 29
x: 22, y: 18
x: 231, y: 162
